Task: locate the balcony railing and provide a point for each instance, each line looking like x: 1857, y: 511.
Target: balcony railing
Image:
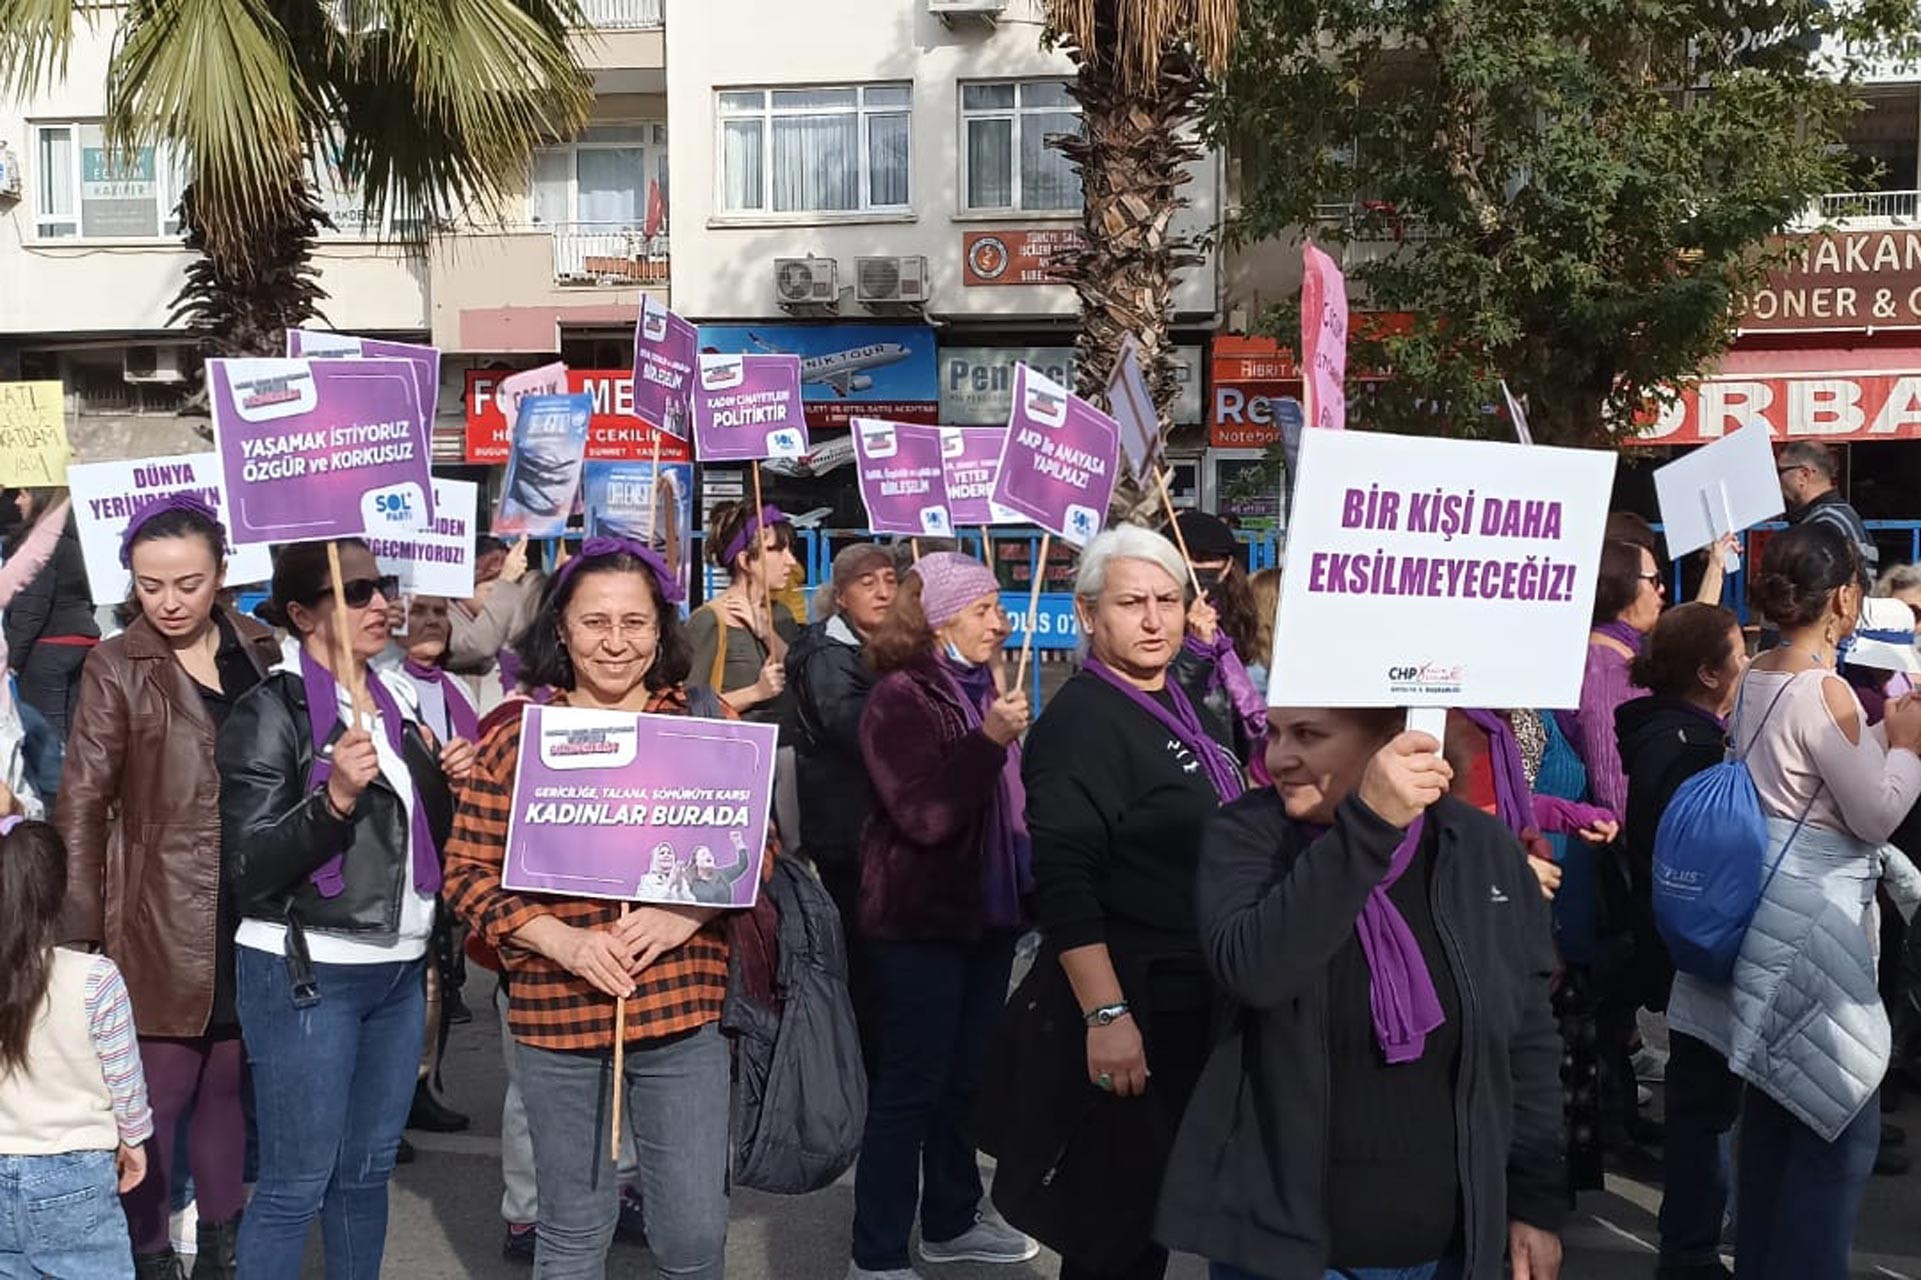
x: 1883, y: 206
x: 614, y: 254
x: 622, y: 15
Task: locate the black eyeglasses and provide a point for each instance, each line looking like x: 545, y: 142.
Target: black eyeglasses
x: 359, y: 591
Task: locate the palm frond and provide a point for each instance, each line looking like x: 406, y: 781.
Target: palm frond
x: 35, y: 38
x: 1132, y: 36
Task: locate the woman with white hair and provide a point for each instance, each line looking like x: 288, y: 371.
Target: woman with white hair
x: 1106, y: 1038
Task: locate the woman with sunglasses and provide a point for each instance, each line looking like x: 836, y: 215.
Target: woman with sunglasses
x: 332, y: 832
x: 136, y: 815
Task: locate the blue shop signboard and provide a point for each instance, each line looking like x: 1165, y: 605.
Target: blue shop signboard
x: 847, y: 370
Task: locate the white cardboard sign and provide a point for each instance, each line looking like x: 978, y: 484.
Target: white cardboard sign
x: 1724, y: 488
x: 1132, y: 405
x: 1430, y: 572
x: 437, y: 561
x: 107, y: 494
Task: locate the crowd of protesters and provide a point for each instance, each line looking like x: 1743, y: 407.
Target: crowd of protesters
x: 1313, y: 995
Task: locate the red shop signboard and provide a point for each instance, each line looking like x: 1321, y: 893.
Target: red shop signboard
x: 613, y: 433
x: 1836, y: 408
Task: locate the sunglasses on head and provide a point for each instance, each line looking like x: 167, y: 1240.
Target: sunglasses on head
x: 359, y: 591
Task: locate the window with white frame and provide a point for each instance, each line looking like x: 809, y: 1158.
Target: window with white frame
x: 609, y: 177
x: 83, y: 189
x: 819, y: 150
x: 1006, y: 163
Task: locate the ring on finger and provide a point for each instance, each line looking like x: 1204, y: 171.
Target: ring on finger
x: 1105, y: 1081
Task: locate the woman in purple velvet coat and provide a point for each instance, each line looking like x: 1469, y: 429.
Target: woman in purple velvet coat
x: 944, y: 866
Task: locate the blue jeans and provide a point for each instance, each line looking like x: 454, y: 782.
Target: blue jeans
x: 333, y: 1079
x: 938, y: 1003
x: 1440, y: 1269
x: 1799, y: 1196
x: 1703, y: 1099
x: 60, y: 1216
x: 676, y: 1109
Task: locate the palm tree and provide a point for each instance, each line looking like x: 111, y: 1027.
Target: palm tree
x: 1143, y: 66
x: 428, y: 109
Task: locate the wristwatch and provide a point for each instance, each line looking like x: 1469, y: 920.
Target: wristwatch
x: 1106, y: 1014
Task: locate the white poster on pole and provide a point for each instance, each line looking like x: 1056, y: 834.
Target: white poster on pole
x: 437, y: 561
x: 1433, y: 572
x: 1724, y: 488
x: 1132, y: 405
x: 107, y: 494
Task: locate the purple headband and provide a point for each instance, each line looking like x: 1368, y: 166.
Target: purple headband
x: 769, y: 515
x: 182, y: 501
x: 600, y: 548
x: 8, y: 823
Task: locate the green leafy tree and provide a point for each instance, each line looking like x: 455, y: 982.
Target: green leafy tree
x: 1570, y: 194
x: 430, y: 109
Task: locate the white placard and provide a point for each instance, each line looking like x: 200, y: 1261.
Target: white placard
x: 1724, y: 488
x: 1428, y: 572
x: 107, y: 494
x: 1132, y: 405
x: 1517, y: 415
x: 439, y: 562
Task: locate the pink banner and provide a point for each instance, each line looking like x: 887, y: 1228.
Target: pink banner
x: 1324, y: 338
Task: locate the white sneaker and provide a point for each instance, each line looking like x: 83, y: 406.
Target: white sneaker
x: 898, y: 1273
x: 988, y: 1240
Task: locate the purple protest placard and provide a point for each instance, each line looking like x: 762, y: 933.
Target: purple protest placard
x: 903, y: 480
x: 973, y: 458
x: 1058, y: 460
x: 747, y: 408
x: 314, y: 449
x: 317, y: 343
x: 664, y: 353
x: 642, y: 808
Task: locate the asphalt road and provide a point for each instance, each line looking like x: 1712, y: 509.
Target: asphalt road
x: 446, y: 1206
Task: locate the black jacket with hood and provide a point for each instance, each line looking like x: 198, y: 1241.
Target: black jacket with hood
x: 1246, y: 1181
x: 1664, y: 742
x: 830, y: 680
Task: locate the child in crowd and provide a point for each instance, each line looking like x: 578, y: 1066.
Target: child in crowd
x: 73, y: 1099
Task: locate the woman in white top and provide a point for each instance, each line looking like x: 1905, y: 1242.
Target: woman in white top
x: 1802, y: 1021
x: 332, y: 836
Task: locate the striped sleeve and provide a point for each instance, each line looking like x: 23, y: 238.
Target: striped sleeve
x: 110, y: 1021
x: 478, y: 845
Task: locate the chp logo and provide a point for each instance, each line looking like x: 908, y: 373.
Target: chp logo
x: 1426, y: 679
x: 988, y: 257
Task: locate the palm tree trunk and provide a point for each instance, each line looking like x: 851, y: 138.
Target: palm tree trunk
x: 1132, y: 157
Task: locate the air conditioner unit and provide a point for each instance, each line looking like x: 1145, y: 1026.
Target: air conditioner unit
x: 153, y: 364
x: 983, y: 10
x: 898, y: 279
x: 806, y: 281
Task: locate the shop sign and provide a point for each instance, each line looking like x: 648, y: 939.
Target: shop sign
x: 613, y: 432
x: 1017, y: 257
x: 846, y: 370
x: 1257, y: 384
x: 1841, y: 280
x: 977, y: 383
x: 1834, y: 408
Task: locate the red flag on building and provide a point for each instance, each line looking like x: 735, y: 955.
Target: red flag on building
x: 656, y: 210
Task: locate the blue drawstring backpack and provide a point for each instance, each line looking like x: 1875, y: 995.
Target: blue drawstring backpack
x: 1708, y: 852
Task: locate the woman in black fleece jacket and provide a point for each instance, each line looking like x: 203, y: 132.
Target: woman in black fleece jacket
x: 1419, y: 1129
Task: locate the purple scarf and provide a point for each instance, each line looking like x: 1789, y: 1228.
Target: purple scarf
x: 1229, y: 674
x: 460, y: 712
x: 322, y: 691
x: 1007, y: 862
x: 1401, y: 997
x: 1185, y: 725
x: 1513, y: 801
x: 1621, y: 632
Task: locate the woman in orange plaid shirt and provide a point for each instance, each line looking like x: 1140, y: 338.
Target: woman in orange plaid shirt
x: 607, y: 636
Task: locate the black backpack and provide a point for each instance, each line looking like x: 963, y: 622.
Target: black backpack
x: 800, y: 1091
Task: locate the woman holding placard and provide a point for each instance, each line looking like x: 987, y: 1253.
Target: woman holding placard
x: 1801, y: 1019
x: 1389, y: 1094
x: 944, y: 865
x: 1104, y: 1040
x: 138, y: 815
x: 331, y: 835
x: 607, y: 636
x: 739, y: 641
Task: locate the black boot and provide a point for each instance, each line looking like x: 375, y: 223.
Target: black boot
x: 157, y: 1266
x: 431, y: 1115
x: 215, y: 1257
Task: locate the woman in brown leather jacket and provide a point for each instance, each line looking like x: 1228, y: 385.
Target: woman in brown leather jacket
x: 139, y: 812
